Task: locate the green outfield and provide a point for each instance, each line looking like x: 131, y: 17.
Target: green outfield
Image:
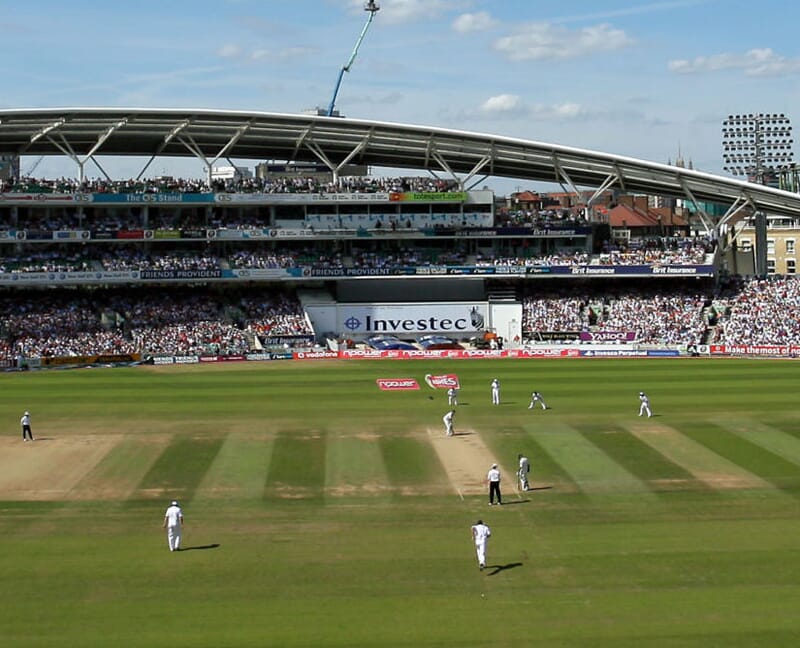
x: 321, y: 511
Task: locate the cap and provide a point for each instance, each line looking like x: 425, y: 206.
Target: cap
x: 641, y: 393
x: 494, y: 465
x: 174, y: 503
x: 27, y: 413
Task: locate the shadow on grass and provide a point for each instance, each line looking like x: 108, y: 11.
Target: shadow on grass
x: 496, y: 569
x: 201, y: 547
x: 536, y: 488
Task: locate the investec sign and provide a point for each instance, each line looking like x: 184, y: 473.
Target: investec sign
x: 413, y: 319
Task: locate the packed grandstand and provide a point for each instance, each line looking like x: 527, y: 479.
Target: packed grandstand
x: 96, y: 269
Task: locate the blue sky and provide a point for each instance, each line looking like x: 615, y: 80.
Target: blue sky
x: 635, y: 78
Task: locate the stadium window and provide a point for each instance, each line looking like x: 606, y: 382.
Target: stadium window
x: 770, y: 246
x: 790, y: 266
x: 790, y: 246
x: 746, y: 245
x: 770, y: 266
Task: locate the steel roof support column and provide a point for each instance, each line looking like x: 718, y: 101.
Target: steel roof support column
x: 66, y: 149
x: 478, y: 166
x: 41, y: 133
x: 704, y: 217
x: 561, y: 172
x: 360, y: 147
x: 620, y: 176
x: 741, y: 202
x: 167, y: 139
x: 232, y: 141
x: 100, y: 141
x: 195, y: 150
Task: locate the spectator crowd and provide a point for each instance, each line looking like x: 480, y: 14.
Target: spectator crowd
x: 740, y: 311
x: 254, y: 255
x: 239, y: 184
x: 162, y: 321
x: 201, y: 320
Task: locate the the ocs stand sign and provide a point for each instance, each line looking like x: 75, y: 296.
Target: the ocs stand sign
x: 412, y: 319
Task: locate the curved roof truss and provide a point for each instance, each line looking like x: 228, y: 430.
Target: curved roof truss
x: 210, y: 135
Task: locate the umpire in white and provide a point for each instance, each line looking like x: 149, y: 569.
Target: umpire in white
x: 25, y: 422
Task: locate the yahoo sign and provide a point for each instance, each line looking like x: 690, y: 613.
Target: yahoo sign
x: 608, y: 336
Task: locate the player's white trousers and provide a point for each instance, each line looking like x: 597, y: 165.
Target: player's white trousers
x: 480, y: 549
x: 174, y: 537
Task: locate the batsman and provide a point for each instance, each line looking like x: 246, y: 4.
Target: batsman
x: 522, y: 473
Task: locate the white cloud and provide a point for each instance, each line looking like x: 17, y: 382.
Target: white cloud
x: 545, y: 41
x: 229, y: 51
x: 510, y: 105
x: 504, y: 103
x: 755, y: 62
x: 568, y: 110
x: 472, y: 22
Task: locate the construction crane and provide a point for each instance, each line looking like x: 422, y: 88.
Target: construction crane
x: 29, y: 172
x: 372, y: 8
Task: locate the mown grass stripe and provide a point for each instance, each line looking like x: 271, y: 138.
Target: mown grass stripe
x: 701, y: 461
x: 354, y: 466
x: 411, y: 462
x: 777, y: 471
x: 640, y: 458
x: 588, y: 466
x: 297, y: 466
x: 122, y: 469
x: 770, y: 438
x: 180, y: 468
x: 239, y: 469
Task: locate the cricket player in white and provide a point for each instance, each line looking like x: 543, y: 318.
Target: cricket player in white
x: 452, y: 397
x: 480, y: 535
x: 447, y: 419
x: 536, y: 397
x: 173, y: 519
x: 495, y: 391
x: 645, y: 405
x: 524, y: 469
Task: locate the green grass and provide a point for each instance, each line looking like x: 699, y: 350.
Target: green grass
x: 319, y: 514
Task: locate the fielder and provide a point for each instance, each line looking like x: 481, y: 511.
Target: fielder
x: 522, y: 473
x: 495, y: 391
x: 536, y: 397
x: 452, y: 397
x: 480, y: 535
x: 447, y: 419
x: 644, y: 406
x: 173, y: 519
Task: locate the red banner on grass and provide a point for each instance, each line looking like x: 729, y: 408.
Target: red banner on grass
x: 443, y: 381
x: 397, y: 384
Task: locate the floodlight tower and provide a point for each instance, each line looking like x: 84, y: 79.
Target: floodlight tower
x: 372, y: 8
x: 758, y: 146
